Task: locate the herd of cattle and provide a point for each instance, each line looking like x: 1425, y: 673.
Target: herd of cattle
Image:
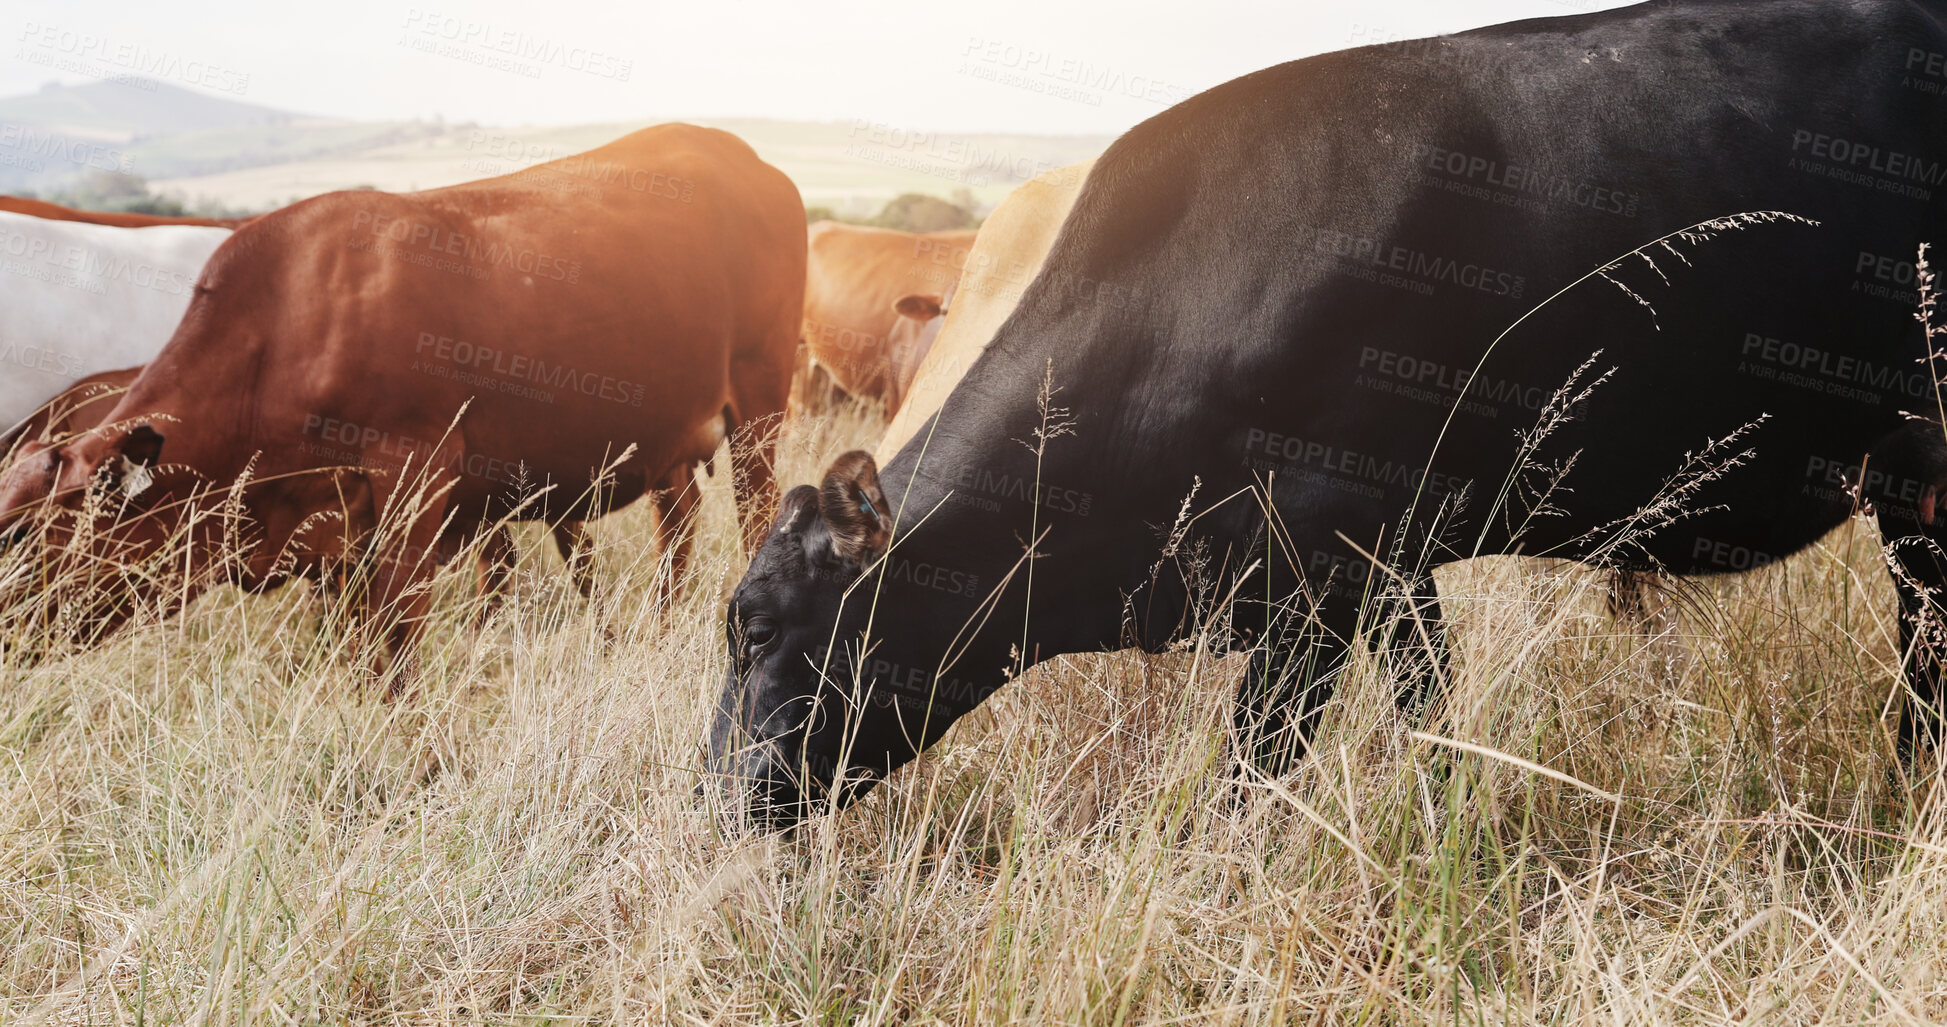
x: 1604, y: 287
x: 566, y: 417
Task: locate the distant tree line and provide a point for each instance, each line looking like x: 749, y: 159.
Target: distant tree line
x: 124, y: 193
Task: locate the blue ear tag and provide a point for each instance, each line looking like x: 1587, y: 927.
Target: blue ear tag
x: 867, y: 504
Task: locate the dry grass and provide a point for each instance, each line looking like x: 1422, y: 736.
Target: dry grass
x: 209, y: 819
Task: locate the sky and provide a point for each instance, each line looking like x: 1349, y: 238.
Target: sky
x: 1043, y: 66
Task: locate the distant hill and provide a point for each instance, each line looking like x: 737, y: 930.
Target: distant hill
x: 52, y: 134
x: 251, y: 157
x: 133, y: 109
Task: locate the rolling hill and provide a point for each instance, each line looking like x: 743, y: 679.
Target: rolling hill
x: 247, y: 156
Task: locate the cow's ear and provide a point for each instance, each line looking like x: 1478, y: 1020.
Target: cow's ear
x: 854, y: 508
x: 919, y: 308
x: 134, y: 461
x: 794, y: 511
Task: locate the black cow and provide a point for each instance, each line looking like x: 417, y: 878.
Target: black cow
x: 1323, y: 298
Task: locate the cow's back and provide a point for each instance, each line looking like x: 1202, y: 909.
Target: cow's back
x: 575, y: 309
x: 1336, y: 279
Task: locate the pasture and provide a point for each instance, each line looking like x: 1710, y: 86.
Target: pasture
x: 217, y: 818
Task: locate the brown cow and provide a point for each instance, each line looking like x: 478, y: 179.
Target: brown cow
x: 854, y: 275
x: 57, y: 212
x: 365, y: 379
x: 87, y: 403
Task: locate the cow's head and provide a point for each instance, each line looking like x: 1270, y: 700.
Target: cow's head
x: 794, y: 709
x: 87, y: 507
x: 920, y: 320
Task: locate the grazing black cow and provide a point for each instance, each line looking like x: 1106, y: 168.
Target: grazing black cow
x: 1323, y: 298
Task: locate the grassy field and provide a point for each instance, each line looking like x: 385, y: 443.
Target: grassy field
x: 212, y: 820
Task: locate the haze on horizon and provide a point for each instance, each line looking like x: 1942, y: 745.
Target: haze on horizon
x: 1006, y: 66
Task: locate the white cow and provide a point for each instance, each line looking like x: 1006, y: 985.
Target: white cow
x: 77, y: 298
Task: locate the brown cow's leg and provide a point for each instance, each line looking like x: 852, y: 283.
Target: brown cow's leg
x: 805, y: 375
x: 676, y: 501
x: 572, y: 540
x: 751, y: 450
x: 760, y: 387
x: 400, y: 592
x: 496, y: 564
x: 753, y: 446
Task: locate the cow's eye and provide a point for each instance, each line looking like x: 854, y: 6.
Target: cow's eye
x: 759, y: 632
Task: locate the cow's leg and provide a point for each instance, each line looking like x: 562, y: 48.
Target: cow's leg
x: 760, y: 387
x: 577, y: 547
x: 1920, y: 579
x: 1922, y: 642
x: 753, y: 445
x: 810, y: 385
x: 1905, y: 478
x: 399, y: 594
x: 496, y: 566
x: 1410, y: 635
x: 1292, y: 673
x: 676, y: 501
x: 1297, y: 664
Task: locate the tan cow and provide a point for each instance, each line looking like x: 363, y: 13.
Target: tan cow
x: 853, y: 277
x: 1013, y: 240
